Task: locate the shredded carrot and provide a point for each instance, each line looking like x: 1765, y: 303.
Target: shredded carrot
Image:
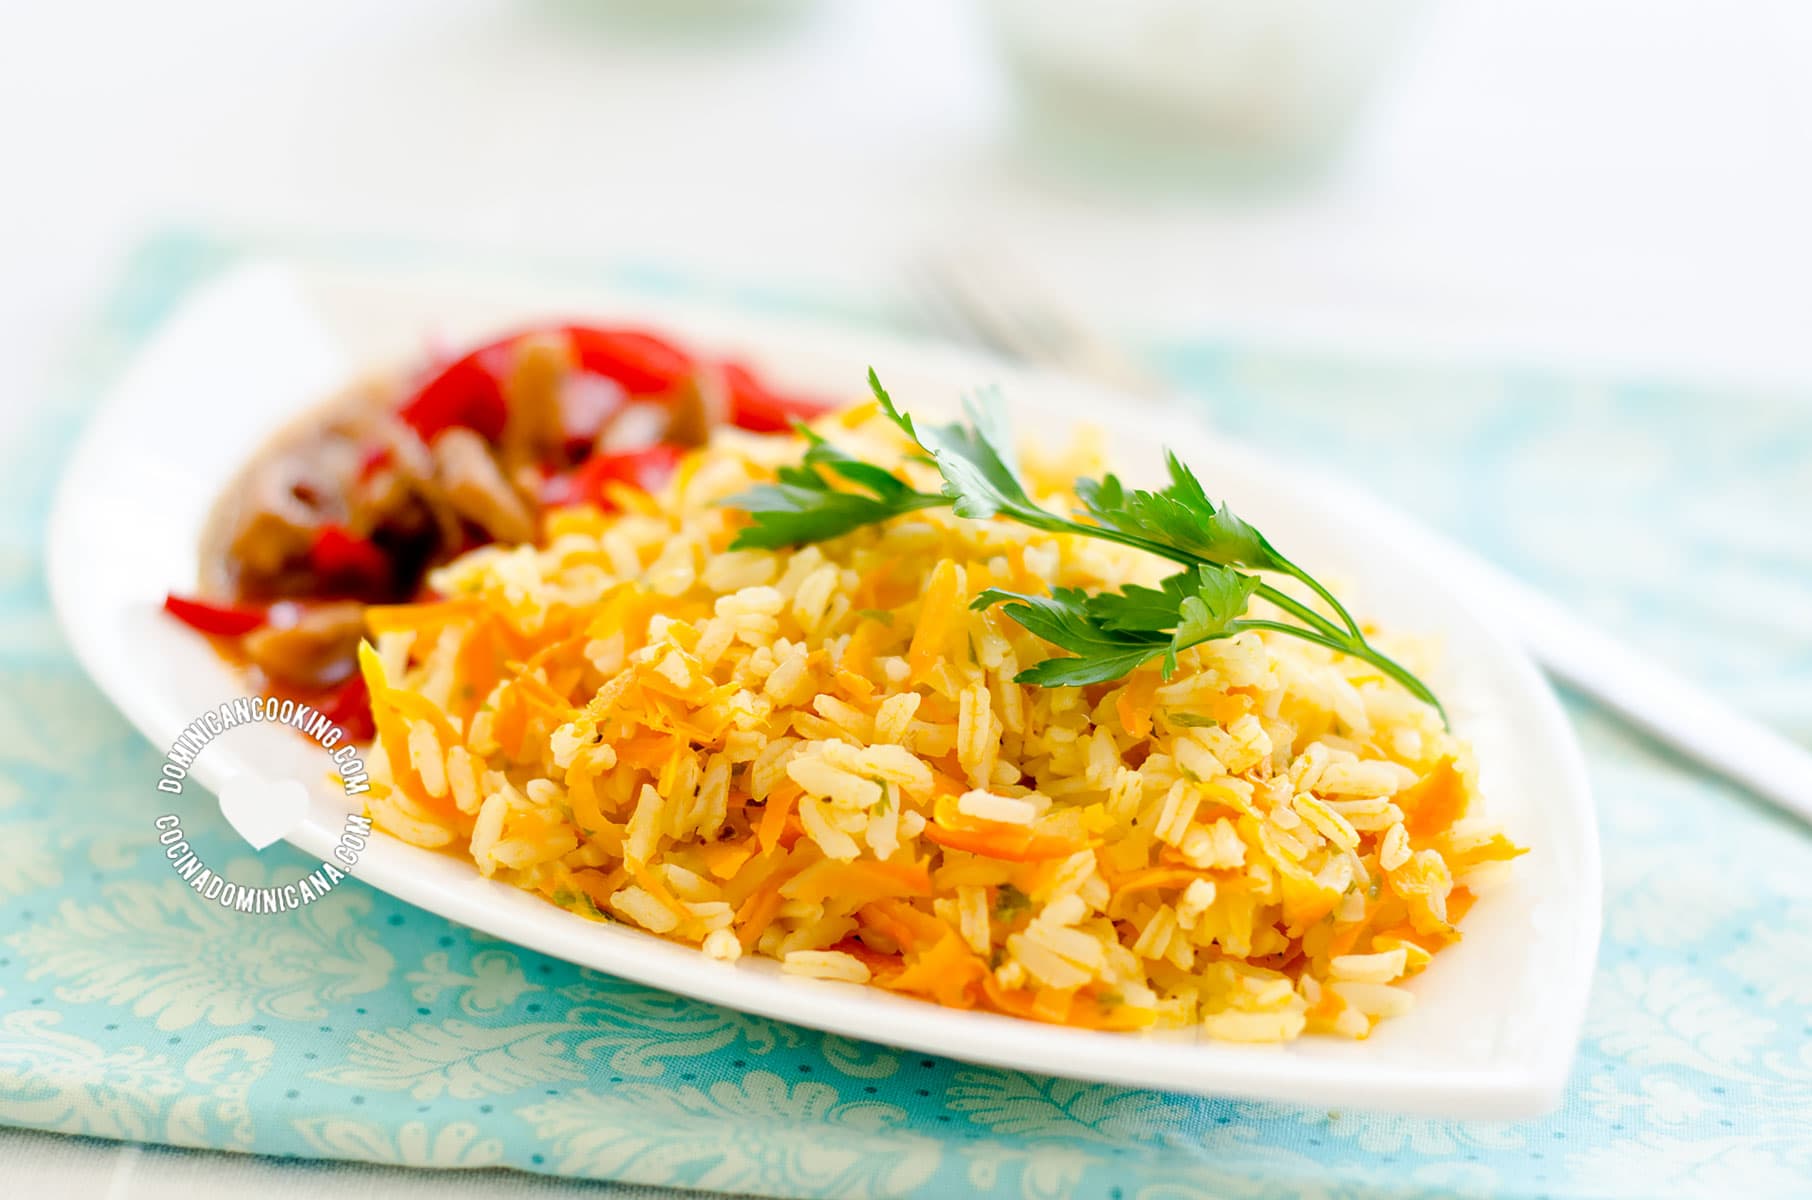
x: 1096, y: 1010
x: 948, y: 788
x: 1014, y: 1003
x: 757, y: 913
x: 1347, y: 936
x: 599, y: 886
x: 477, y: 667
x: 582, y: 794
x: 651, y: 883
x: 1497, y: 849
x: 509, y: 722
x: 419, y: 618
x: 689, y: 694
x: 873, y: 916
x: 1327, y: 1008
x: 393, y: 735
x: 996, y: 839
x: 1022, y: 574
x: 1305, y: 900
x: 920, y: 929
x: 620, y: 609
x: 547, y: 654
x: 1156, y: 878
x: 858, y: 688
x: 630, y: 499
x: 936, y: 616
x: 576, y: 518
x: 1433, y: 802
x: 543, y: 696
x: 724, y: 859
x: 646, y: 752
x: 883, y: 968
x: 859, y: 880
x: 418, y: 708
x: 1052, y: 1005
x: 1221, y: 708
x: 859, y: 654
x: 795, y: 829
x: 1086, y: 1009
x: 873, y: 590
x: 1433, y: 942
x: 1134, y: 704
x: 773, y: 817
x: 947, y: 972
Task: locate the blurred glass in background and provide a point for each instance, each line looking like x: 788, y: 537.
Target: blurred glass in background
x: 1235, y: 89
x: 1622, y: 182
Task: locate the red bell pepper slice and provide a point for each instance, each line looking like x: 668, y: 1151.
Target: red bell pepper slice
x: 349, y: 707
x: 374, y: 460
x: 644, y: 365
x: 755, y: 408
x: 337, y: 554
x: 468, y: 392
x: 214, y: 618
x: 647, y: 469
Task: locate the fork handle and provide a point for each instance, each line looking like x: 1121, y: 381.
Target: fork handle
x: 1665, y: 705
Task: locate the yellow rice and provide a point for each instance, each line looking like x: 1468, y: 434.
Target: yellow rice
x: 819, y: 756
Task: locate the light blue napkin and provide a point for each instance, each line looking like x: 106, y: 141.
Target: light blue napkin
x: 361, y: 1028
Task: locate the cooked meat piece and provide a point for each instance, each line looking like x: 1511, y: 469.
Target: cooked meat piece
x: 402, y: 497
x: 271, y: 529
x: 257, y: 539
x: 696, y: 407
x: 476, y: 488
x: 312, y: 647
x: 535, y: 432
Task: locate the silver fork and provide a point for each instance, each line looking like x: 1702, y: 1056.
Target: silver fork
x: 977, y: 295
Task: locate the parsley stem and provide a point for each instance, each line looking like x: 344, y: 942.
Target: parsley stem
x: 1356, y: 649
x: 1315, y: 586
x: 1225, y: 561
x: 1304, y: 613
x: 1321, y: 631
x: 1283, y: 600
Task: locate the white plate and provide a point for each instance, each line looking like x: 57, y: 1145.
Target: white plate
x: 1497, y: 1017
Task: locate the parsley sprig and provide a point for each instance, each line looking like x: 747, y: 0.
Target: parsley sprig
x: 1108, y: 634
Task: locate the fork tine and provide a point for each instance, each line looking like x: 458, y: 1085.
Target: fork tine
x: 938, y: 315
x: 980, y: 297
x: 1004, y: 309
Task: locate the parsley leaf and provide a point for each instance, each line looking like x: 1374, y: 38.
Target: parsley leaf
x: 1180, y: 518
x: 791, y: 514
x: 803, y: 506
x: 980, y: 470
x: 1138, y: 607
x: 1213, y: 609
x: 1106, y: 634
x: 1110, y: 633
x: 1062, y: 619
x: 883, y: 483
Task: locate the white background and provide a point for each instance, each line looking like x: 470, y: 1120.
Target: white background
x: 1628, y: 180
